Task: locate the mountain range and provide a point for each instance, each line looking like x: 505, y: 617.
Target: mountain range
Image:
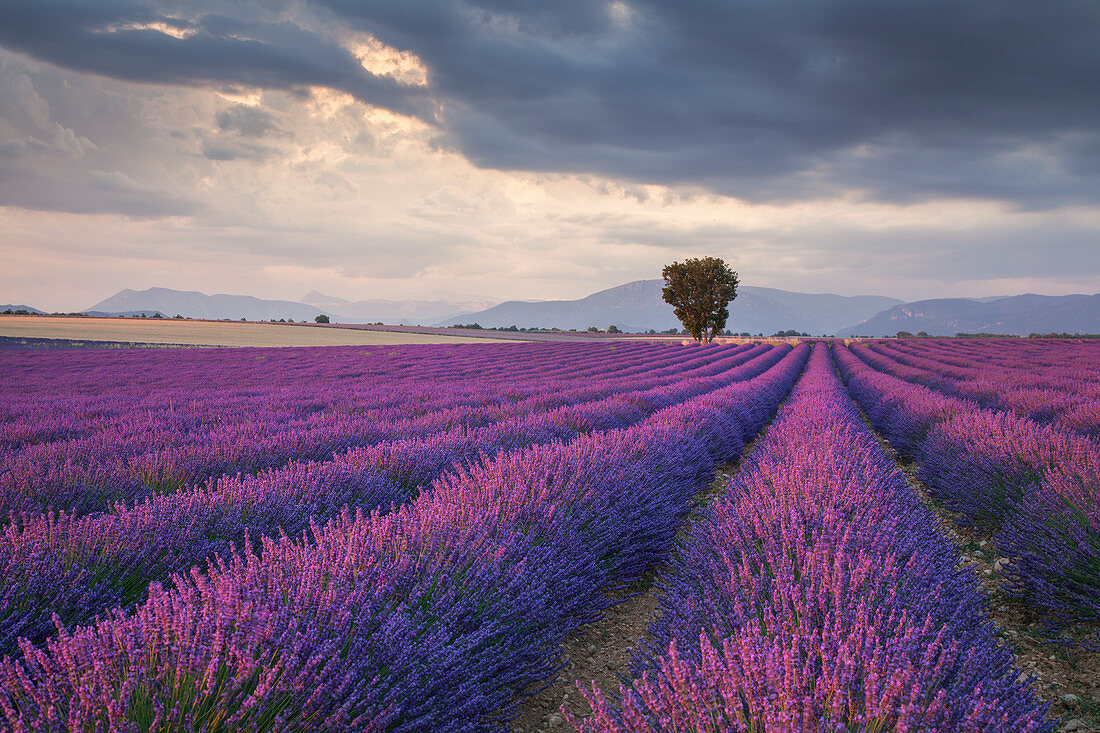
x: 391, y: 311
x: 637, y: 306
x: 1019, y: 314
x: 193, y: 304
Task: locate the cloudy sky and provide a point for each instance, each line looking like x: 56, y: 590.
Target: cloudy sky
x: 529, y: 149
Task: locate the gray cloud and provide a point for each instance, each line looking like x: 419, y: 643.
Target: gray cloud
x: 248, y: 121
x: 770, y: 100
x: 94, y: 192
x: 233, y: 150
x: 766, y: 101
x: 53, y: 159
x: 119, y: 39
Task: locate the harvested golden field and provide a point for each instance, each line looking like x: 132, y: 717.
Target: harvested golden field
x: 212, y: 333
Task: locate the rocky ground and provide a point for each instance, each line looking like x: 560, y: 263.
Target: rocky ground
x: 602, y: 651
x: 1065, y: 674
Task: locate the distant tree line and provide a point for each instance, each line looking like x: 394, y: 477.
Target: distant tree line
x: 1030, y: 335
x: 1063, y: 335
x: 985, y: 335
x: 25, y: 312
x: 535, y: 329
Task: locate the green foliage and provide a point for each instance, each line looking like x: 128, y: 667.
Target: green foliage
x: 613, y: 329
x: 321, y: 319
x: 700, y: 290
x: 1033, y: 335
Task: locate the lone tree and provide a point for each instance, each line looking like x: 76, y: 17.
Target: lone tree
x: 700, y: 290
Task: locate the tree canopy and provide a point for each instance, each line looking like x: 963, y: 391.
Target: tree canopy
x: 699, y: 290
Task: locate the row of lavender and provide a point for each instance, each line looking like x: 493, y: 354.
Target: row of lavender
x: 1034, y: 485
x: 203, y: 430
x: 1054, y: 382
x: 75, y: 567
x: 184, y: 398
x: 820, y: 595
x: 430, y: 617
x: 61, y: 396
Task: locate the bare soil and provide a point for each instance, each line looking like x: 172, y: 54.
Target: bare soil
x: 1065, y: 674
x: 600, y: 652
x: 213, y: 333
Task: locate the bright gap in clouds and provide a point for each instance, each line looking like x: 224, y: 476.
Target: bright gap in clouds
x: 382, y: 60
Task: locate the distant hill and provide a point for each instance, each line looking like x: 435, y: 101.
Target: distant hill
x: 637, y: 306
x: 409, y: 312
x: 1020, y: 314
x: 27, y: 308
x: 314, y: 297
x: 193, y: 304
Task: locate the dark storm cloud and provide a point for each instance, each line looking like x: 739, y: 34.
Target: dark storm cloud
x: 772, y: 99
x: 760, y: 99
x: 113, y: 38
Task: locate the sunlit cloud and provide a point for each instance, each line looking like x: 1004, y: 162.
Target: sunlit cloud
x: 382, y: 60
x: 174, y: 27
x: 423, y: 148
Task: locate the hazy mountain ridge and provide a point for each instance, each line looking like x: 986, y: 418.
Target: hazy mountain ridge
x: 315, y: 297
x: 1018, y: 314
x: 412, y: 312
x: 638, y: 306
x: 193, y: 304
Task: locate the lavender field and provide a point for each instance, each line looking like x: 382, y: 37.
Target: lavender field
x: 404, y: 538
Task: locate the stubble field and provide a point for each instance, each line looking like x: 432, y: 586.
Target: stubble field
x: 210, y: 333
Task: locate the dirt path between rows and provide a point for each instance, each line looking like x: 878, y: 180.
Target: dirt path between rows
x: 602, y: 649
x: 1066, y: 675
